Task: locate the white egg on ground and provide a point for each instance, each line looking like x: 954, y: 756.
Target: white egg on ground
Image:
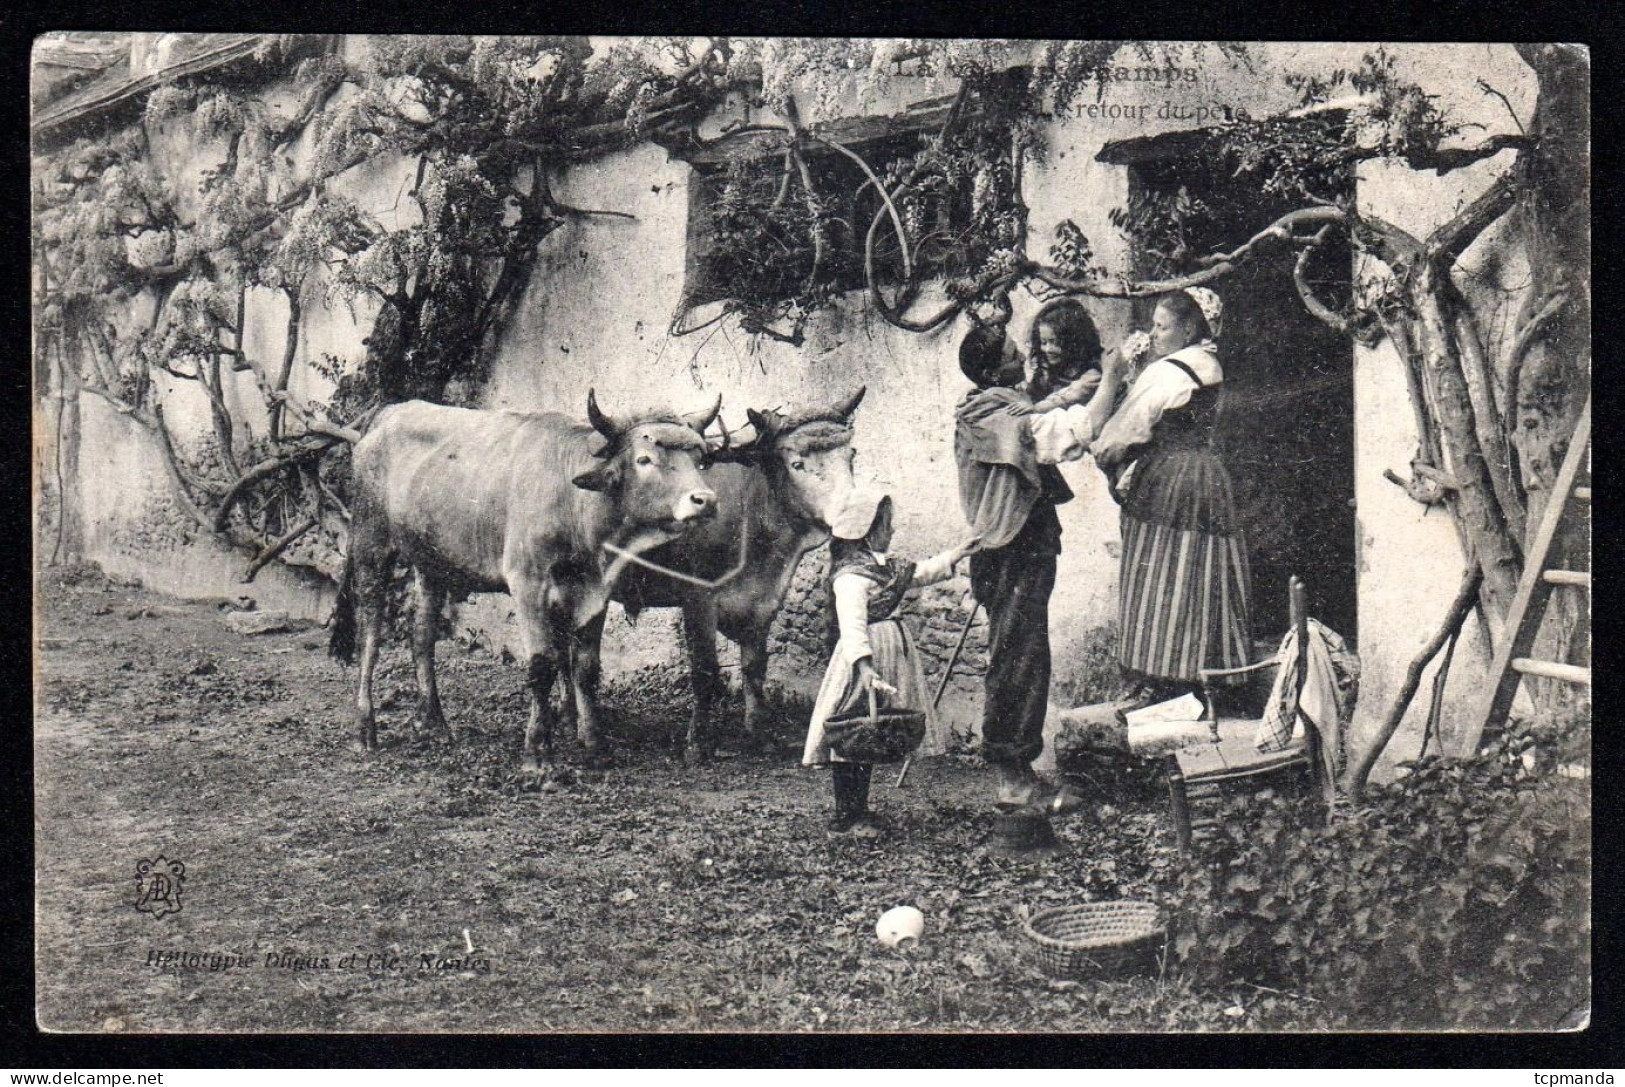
x: 900, y: 927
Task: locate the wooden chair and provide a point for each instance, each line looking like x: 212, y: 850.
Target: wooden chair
x: 1202, y: 775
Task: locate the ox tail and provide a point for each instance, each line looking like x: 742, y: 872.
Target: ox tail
x: 341, y: 638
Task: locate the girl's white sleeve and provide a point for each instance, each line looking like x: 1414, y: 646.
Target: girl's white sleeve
x: 934, y: 569
x: 852, y: 616
x: 1062, y: 434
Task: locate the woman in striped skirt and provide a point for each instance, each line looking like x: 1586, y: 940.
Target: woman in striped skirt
x: 1185, y: 588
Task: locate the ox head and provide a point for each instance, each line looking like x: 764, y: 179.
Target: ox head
x: 807, y: 456
x: 651, y: 468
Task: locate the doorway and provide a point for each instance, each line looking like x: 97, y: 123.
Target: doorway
x: 1286, y: 427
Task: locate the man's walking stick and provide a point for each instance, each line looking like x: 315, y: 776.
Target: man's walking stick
x: 947, y: 674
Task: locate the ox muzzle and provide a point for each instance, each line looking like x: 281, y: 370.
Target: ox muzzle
x: 697, y: 505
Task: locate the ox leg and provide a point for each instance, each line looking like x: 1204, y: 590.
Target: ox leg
x: 700, y: 636
x: 371, y: 581
x: 542, y: 653
x: 430, y: 599
x: 585, y: 670
x: 542, y: 674
x: 569, y: 722
x: 753, y: 668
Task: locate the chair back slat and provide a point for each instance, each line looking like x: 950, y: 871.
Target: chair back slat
x: 1298, y: 605
x: 1201, y: 775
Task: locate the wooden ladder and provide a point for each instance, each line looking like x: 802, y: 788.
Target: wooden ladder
x: 1512, y: 660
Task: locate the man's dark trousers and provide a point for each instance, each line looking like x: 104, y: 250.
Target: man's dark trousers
x: 1014, y: 583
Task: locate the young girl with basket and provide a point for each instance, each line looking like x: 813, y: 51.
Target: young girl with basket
x: 872, y: 706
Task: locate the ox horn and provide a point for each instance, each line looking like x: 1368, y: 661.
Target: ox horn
x: 602, y: 423
x: 702, y: 420
x: 845, y: 411
x: 840, y: 413
x: 765, y: 425
x: 724, y: 450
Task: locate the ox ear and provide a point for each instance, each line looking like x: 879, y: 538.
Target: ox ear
x: 845, y: 411
x: 759, y: 422
x: 701, y: 420
x: 603, y: 478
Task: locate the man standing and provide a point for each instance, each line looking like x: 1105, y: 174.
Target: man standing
x: 1009, y: 487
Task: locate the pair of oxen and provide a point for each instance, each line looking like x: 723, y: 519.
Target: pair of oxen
x: 565, y: 517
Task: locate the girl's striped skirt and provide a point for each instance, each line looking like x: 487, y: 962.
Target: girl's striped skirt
x: 1185, y: 587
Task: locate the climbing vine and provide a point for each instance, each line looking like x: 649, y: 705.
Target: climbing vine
x: 483, y: 122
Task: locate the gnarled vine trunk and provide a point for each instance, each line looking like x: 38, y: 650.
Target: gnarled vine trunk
x: 1548, y: 378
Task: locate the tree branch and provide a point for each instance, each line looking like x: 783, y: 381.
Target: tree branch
x: 569, y: 210
x: 1442, y: 160
x: 1394, y: 246
x: 314, y: 424
x: 120, y: 405
x: 290, y: 350
x: 1452, y: 239
x: 1487, y: 417
x: 809, y: 194
x: 1282, y: 231
x: 314, y: 477
x: 275, y: 548
x: 263, y: 470
x: 1526, y: 338
x: 1318, y: 309
x: 1427, y: 433
x: 1453, y: 621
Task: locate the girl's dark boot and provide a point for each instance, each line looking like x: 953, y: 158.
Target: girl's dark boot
x: 851, y: 783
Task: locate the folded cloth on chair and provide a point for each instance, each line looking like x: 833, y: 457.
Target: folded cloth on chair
x: 1330, y: 686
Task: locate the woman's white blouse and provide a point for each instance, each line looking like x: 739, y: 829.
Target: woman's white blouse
x: 1162, y: 387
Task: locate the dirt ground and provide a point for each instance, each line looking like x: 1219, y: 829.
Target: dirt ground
x: 648, y: 897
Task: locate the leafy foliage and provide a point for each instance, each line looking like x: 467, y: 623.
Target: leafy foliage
x: 790, y: 234
x: 1457, y: 897
x: 1071, y: 252
x: 771, y: 237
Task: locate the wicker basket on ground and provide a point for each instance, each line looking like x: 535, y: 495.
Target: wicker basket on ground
x: 1096, y: 938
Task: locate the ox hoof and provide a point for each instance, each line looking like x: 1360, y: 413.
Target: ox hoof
x: 432, y: 732
x: 428, y: 721
x: 757, y: 743
x: 693, y: 755
x: 363, y: 747
x: 596, y: 758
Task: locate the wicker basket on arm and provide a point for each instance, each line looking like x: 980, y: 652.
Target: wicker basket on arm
x: 881, y: 735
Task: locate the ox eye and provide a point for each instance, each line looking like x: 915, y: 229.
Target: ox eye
x: 799, y: 466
